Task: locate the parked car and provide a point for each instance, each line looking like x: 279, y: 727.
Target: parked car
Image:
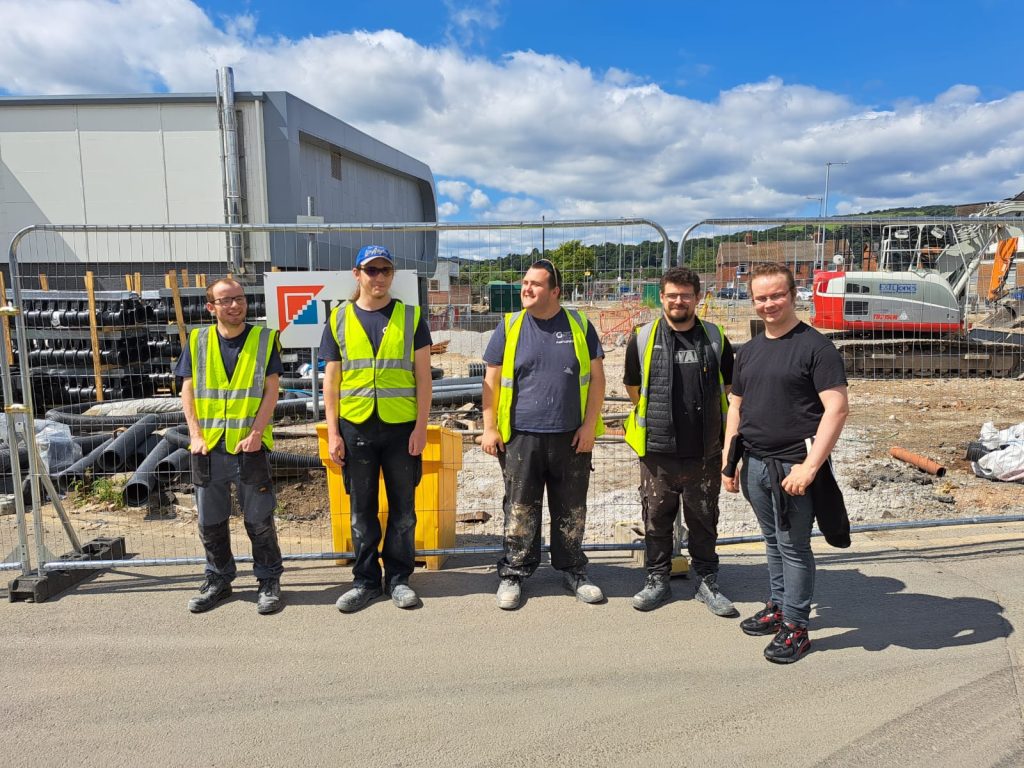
x: 804, y: 294
x: 733, y: 293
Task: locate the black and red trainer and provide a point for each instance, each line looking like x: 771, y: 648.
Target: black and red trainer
x: 789, y: 645
x: 767, y: 621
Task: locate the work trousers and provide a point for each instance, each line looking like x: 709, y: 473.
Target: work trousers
x: 213, y: 475
x: 372, y: 448
x: 531, y: 463
x: 790, y: 559
x: 664, y: 480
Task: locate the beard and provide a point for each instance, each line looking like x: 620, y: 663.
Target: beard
x: 679, y: 315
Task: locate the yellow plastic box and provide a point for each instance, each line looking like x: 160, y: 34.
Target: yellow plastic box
x: 435, y: 495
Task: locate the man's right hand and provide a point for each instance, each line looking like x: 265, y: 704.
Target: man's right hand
x: 731, y: 484
x: 336, y: 447
x: 491, y: 442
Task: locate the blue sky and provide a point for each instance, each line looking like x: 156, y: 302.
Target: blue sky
x: 673, y: 111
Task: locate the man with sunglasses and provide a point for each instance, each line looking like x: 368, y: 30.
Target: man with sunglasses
x: 228, y: 376
x: 377, y: 393
x: 677, y: 373
x: 788, y: 408
x: 542, y: 397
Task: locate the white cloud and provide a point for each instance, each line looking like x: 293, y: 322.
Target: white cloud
x: 447, y: 210
x: 478, y: 199
x: 455, y: 190
x: 544, y: 135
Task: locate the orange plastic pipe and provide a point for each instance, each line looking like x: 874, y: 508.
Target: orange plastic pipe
x: 919, y: 461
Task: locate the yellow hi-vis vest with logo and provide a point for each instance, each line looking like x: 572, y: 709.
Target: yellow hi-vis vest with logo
x: 635, y: 424
x: 513, y: 324
x: 227, y: 408
x: 387, y: 379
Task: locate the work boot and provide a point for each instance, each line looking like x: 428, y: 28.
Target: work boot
x: 709, y: 594
x: 767, y: 621
x: 656, y: 591
x: 403, y: 596
x: 212, y: 591
x: 357, y: 598
x: 268, y: 596
x: 789, y: 644
x: 510, y: 592
x: 581, y: 586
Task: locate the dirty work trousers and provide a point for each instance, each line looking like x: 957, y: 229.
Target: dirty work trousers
x: 664, y: 479
x: 372, y: 448
x: 531, y: 462
x: 213, y: 475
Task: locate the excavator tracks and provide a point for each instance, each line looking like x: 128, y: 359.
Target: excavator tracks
x: 906, y: 358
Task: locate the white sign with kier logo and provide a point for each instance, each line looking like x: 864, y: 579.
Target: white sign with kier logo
x: 299, y: 303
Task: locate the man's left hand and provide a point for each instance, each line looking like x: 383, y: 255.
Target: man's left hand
x: 583, y: 440
x: 251, y: 443
x: 798, y: 480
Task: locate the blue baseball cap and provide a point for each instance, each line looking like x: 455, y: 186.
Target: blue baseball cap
x: 370, y: 252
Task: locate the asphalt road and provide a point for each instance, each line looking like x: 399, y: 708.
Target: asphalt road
x: 917, y: 660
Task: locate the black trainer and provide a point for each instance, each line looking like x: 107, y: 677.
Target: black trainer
x: 789, y: 645
x: 268, y: 598
x: 213, y: 590
x: 767, y: 621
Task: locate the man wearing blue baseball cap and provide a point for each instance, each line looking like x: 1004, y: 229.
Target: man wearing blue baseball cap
x: 377, y: 393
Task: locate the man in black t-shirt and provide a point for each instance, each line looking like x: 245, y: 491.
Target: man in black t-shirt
x: 678, y: 371
x: 787, y: 410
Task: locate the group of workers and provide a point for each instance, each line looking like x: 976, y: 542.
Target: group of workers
x: 763, y: 419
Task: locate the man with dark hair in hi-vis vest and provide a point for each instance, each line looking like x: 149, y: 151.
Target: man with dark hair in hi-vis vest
x: 542, y: 398
x: 377, y: 393
x: 230, y: 374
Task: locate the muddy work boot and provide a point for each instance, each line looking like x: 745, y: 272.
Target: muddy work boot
x: 213, y: 591
x: 656, y: 592
x: 585, y: 590
x: 357, y: 597
x: 789, y: 644
x: 709, y: 594
x: 510, y: 592
x: 767, y: 621
x: 403, y: 596
x: 268, y: 597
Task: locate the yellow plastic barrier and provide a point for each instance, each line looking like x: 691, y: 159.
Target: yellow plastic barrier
x: 435, y: 495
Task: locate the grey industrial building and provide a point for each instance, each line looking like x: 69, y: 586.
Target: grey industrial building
x: 164, y: 159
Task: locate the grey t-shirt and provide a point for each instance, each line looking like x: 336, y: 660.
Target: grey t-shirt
x: 547, y: 373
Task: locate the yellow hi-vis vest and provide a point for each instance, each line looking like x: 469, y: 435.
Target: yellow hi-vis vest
x: 513, y: 324
x: 227, y: 409
x: 387, y: 379
x: 635, y: 424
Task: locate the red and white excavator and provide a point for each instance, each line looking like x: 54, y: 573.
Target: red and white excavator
x: 909, y: 316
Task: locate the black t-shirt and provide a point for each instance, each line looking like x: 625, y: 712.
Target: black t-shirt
x: 547, y: 373
x: 688, y: 355
x: 229, y: 351
x: 779, y: 381
x: 373, y: 321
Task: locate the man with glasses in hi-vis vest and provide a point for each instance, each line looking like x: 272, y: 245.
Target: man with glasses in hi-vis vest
x: 229, y: 389
x: 677, y: 373
x: 377, y: 394
x: 542, y: 397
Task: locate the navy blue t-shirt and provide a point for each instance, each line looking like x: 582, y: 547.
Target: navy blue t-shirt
x: 547, y: 373
x: 373, y: 321
x: 229, y: 351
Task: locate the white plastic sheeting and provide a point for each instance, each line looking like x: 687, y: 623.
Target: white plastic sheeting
x: 1006, y: 460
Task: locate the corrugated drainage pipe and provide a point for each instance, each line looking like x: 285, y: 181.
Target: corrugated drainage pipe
x: 146, y: 479
x: 63, y: 480
x: 116, y: 455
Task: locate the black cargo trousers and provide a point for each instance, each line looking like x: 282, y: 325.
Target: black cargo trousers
x: 664, y: 479
x: 531, y: 463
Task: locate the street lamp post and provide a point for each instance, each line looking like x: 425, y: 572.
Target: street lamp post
x: 819, y: 198
x: 824, y: 205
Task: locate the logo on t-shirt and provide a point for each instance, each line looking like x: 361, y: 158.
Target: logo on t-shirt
x: 686, y: 356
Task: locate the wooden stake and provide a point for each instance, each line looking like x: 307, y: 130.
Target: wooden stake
x: 94, y: 336
x: 172, y: 279
x: 127, y: 282
x: 7, y: 326
x: 184, y: 278
x: 44, y: 281
x: 138, y: 282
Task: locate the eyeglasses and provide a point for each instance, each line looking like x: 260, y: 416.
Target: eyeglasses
x: 227, y: 301
x: 774, y: 297
x: 684, y: 297
x: 375, y: 271
x: 548, y: 266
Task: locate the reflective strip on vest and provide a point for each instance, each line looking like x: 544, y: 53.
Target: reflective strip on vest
x: 635, y: 425
x: 513, y: 325
x: 227, y: 408
x: 386, y: 380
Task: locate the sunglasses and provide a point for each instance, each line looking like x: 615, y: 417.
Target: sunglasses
x: 548, y: 266
x: 375, y: 271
